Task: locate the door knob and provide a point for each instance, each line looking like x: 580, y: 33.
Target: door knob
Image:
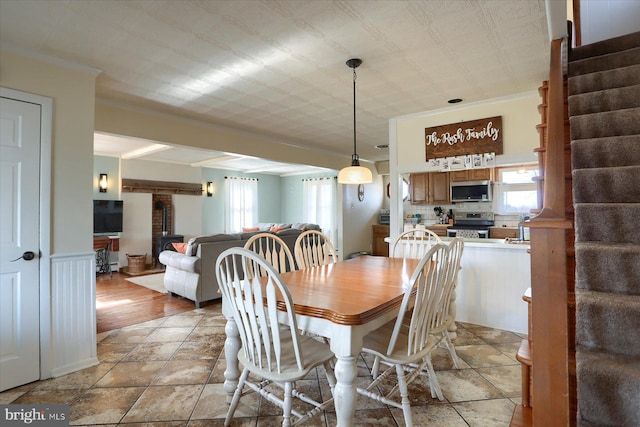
x: 27, y: 256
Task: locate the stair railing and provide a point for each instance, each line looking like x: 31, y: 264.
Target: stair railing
x: 549, y: 274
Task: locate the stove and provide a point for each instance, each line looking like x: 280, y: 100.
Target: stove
x: 471, y: 225
x: 164, y: 243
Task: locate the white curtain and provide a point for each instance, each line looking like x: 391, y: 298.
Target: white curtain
x: 319, y: 204
x: 241, y: 207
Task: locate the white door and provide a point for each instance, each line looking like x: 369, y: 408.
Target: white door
x: 19, y: 240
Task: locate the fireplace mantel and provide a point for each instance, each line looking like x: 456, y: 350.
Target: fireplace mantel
x: 160, y: 187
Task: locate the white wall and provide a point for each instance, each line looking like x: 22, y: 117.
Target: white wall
x: 604, y: 19
x: 520, y: 117
x: 135, y: 238
x: 70, y: 256
x: 358, y: 216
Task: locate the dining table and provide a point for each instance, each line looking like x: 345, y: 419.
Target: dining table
x: 343, y: 302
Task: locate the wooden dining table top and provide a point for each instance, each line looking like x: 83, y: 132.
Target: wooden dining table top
x: 350, y: 292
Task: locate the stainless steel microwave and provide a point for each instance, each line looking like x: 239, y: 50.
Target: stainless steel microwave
x: 471, y: 191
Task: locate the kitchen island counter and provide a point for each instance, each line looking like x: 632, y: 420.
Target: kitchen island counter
x: 494, y: 276
x: 486, y: 243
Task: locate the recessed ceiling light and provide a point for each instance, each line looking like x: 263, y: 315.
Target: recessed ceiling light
x: 454, y: 100
x: 382, y: 146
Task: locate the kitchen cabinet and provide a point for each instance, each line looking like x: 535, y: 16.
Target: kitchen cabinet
x: 419, y: 185
x: 503, y: 232
x: 485, y: 174
x: 429, y: 188
x: 439, y: 229
x: 379, y: 246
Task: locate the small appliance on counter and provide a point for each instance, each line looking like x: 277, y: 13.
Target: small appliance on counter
x: 384, y: 217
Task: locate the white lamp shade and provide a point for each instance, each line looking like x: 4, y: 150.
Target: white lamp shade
x: 355, y: 175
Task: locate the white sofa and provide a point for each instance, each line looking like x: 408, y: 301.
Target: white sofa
x: 192, y: 274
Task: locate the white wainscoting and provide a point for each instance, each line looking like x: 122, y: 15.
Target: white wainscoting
x: 73, y: 313
x: 490, y: 287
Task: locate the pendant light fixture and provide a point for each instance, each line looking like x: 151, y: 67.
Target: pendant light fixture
x: 354, y: 174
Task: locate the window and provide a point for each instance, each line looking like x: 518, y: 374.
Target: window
x: 516, y: 192
x: 241, y: 207
x: 319, y: 204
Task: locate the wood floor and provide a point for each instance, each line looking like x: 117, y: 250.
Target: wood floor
x: 121, y: 303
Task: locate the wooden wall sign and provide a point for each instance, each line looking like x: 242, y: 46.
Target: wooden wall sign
x: 458, y: 139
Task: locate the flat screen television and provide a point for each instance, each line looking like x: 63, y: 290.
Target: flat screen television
x: 107, y: 216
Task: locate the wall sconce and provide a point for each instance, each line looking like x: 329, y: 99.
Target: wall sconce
x: 209, y: 189
x: 102, y: 183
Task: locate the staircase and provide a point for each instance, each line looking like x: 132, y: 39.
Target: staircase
x: 604, y: 111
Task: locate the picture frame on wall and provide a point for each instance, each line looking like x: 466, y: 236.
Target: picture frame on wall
x: 468, y: 161
x: 477, y: 160
x: 489, y: 160
x: 457, y: 163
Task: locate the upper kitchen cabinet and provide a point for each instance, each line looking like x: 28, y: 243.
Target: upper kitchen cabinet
x: 429, y: 188
x: 485, y: 174
x: 419, y: 184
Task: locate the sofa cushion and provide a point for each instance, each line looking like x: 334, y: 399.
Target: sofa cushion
x: 282, y: 225
x: 179, y: 247
x: 306, y: 226
x: 247, y: 236
x: 288, y: 232
x: 265, y: 226
x: 249, y: 229
x: 192, y: 245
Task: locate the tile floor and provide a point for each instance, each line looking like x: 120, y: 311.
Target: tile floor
x: 169, y: 372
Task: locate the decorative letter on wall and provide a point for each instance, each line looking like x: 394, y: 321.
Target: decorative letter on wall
x: 458, y: 139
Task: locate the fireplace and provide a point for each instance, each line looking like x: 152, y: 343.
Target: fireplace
x: 163, y: 243
x: 162, y: 226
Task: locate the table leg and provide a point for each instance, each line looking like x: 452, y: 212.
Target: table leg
x: 344, y: 394
x: 231, y: 348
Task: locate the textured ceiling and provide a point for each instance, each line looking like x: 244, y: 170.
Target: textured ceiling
x: 277, y: 68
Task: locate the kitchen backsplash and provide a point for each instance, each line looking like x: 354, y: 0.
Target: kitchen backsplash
x: 428, y: 216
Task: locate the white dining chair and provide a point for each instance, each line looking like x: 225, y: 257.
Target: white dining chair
x: 444, y: 316
x: 272, y: 249
x: 406, y: 343
x: 414, y: 243
x: 314, y: 248
x: 274, y: 352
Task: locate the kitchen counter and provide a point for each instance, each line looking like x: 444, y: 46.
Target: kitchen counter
x: 486, y: 243
x: 494, y: 276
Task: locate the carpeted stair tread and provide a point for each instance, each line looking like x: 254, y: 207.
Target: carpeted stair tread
x: 606, y: 152
x: 604, y: 110
x: 605, y: 100
x: 608, y: 322
x: 608, y: 267
x: 605, y: 62
x: 608, y: 389
x: 607, y: 185
x: 607, y: 222
x: 603, y: 80
x: 603, y: 47
x: 608, y: 123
